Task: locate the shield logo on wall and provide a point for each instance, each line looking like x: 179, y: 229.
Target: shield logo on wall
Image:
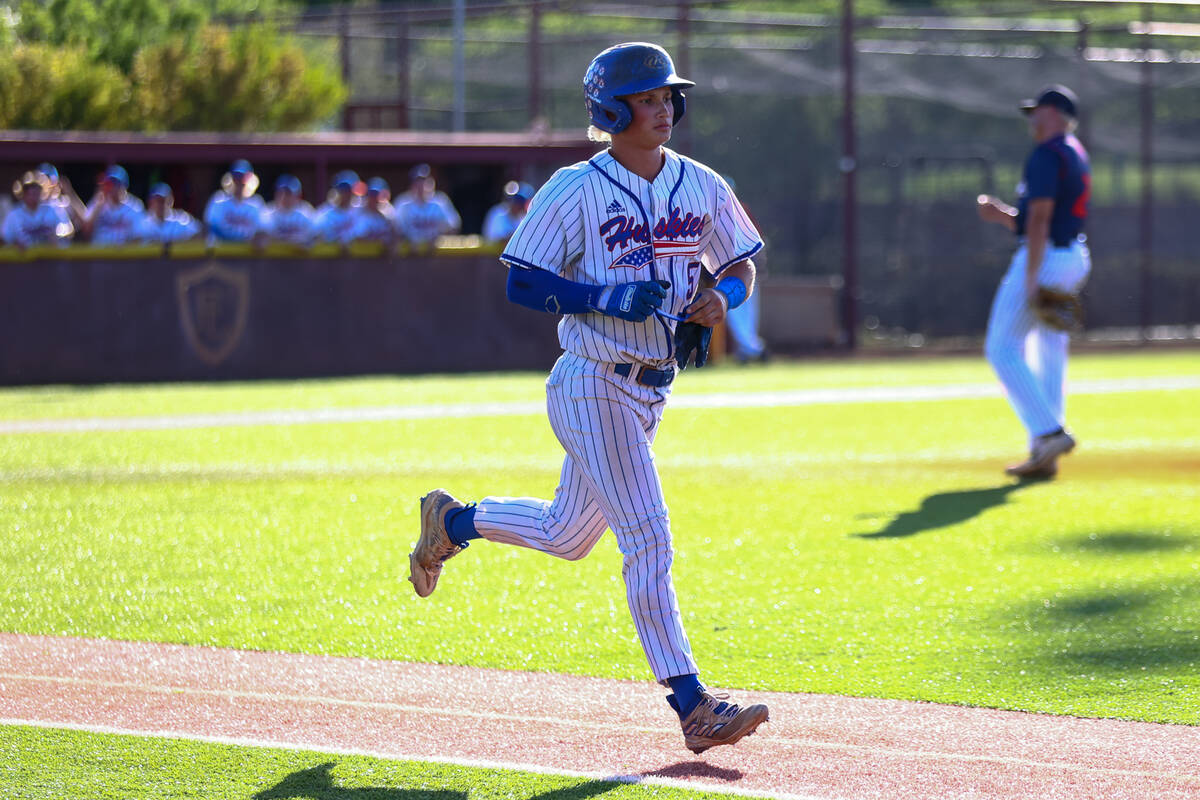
x: 214, y: 302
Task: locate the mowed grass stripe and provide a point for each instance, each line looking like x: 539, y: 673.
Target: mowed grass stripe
x: 52, y: 762
x: 801, y: 397
x: 860, y: 549
x: 980, y: 457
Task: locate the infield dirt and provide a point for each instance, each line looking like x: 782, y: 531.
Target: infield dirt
x: 815, y: 746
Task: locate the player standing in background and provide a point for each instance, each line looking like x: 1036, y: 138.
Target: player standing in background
x: 614, y: 244
x: 234, y: 212
x: 1028, y: 355
x: 742, y: 322
x: 289, y: 217
x: 113, y: 215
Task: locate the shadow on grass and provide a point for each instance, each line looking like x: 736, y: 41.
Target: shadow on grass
x: 1121, y: 542
x: 316, y: 783
x: 944, y: 509
x: 1117, y: 632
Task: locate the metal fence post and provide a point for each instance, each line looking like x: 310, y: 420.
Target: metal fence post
x: 1146, y: 227
x: 683, y: 60
x: 849, y: 167
x: 344, y: 53
x: 535, y: 61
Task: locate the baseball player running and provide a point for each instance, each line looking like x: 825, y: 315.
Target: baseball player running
x: 614, y: 244
x: 1028, y: 330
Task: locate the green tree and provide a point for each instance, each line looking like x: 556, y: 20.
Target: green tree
x: 57, y: 88
x: 248, y: 79
x: 112, y: 31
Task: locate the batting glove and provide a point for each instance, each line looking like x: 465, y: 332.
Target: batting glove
x: 635, y: 301
x: 691, y: 337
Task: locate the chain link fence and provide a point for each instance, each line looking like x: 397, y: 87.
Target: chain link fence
x: 937, y: 123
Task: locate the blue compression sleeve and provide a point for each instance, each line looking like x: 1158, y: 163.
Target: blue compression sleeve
x: 542, y: 290
x: 734, y: 289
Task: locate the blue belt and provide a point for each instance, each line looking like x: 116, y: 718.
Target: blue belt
x: 646, y: 376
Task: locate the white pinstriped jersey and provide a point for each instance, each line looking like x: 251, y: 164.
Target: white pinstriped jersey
x: 596, y: 222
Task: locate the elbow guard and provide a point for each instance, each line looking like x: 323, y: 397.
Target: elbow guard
x: 542, y: 290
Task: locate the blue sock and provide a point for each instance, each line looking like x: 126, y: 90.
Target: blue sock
x: 687, y: 690
x: 460, y: 525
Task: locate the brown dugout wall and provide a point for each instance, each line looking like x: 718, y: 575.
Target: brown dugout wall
x: 233, y: 313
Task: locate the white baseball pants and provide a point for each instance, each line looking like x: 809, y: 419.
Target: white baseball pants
x: 606, y: 423
x: 1029, y: 357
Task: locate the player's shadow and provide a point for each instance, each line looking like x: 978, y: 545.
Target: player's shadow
x: 696, y: 769
x: 944, y: 509
x: 316, y: 783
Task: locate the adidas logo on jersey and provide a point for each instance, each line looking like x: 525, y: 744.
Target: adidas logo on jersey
x: 615, y: 208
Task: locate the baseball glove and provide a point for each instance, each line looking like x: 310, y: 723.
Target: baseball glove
x: 1058, y: 309
x: 691, y: 337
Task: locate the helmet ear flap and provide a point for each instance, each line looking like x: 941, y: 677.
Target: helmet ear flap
x: 678, y: 103
x: 610, y: 116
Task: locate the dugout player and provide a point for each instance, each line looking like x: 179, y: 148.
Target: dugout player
x: 1029, y: 354
x: 614, y: 244
x: 34, y: 221
x: 163, y: 222
x: 234, y: 212
x: 424, y: 213
x: 289, y: 217
x: 376, y: 220
x: 504, y: 217
x: 113, y: 214
x: 337, y: 217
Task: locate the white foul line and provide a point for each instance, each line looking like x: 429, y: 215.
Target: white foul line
x: 798, y: 397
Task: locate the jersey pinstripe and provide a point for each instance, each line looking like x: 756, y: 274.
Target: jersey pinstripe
x: 596, y: 222
x: 607, y: 424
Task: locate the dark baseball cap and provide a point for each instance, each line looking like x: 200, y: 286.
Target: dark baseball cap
x: 241, y: 167
x: 1057, y: 96
x: 420, y: 171
x: 160, y: 190
x: 377, y: 185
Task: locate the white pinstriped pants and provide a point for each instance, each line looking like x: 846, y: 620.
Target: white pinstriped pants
x: 1030, y: 358
x: 606, y: 423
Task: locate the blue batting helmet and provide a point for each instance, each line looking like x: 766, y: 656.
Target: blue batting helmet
x: 624, y: 70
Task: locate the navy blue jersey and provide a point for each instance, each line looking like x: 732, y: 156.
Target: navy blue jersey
x: 1057, y: 168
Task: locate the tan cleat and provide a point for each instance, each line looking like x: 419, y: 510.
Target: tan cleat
x: 434, y: 545
x: 716, y: 721
x: 1043, y: 457
x: 1027, y: 473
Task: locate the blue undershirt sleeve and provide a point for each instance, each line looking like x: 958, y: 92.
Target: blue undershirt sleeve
x: 542, y: 290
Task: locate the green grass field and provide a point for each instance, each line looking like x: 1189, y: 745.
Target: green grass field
x: 868, y: 549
